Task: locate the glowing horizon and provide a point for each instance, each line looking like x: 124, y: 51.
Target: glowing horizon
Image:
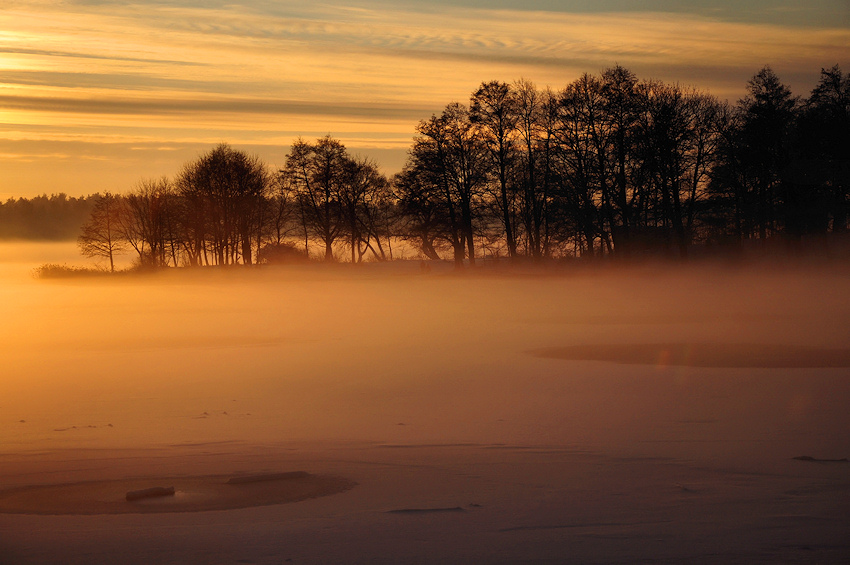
x: 96, y: 95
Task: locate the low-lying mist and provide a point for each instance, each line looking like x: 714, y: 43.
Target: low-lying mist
x: 389, y: 354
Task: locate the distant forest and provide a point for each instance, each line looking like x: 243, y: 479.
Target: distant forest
x: 49, y: 218
x: 609, y: 166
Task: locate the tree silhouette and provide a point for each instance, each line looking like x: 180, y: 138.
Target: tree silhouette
x: 819, y: 176
x: 535, y: 120
x: 579, y: 161
x: 617, y: 144
x: 364, y: 197
x: 768, y: 114
x: 423, y: 216
x: 150, y: 221
x: 493, y: 110
x: 317, y: 172
x: 100, y: 234
x: 224, y: 190
x: 678, y: 128
x: 451, y: 159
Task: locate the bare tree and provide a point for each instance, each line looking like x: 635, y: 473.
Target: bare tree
x: 316, y: 172
x: 363, y: 197
x: 619, y: 168
x: 493, y: 110
x: 424, y: 218
x: 149, y: 222
x: 100, y: 234
x: 535, y: 111
x: 279, y: 213
x: 224, y: 190
x: 453, y: 158
x: 579, y: 137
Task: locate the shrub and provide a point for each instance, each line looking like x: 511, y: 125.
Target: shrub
x: 282, y: 254
x: 54, y: 271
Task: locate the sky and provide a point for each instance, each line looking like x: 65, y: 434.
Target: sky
x: 96, y: 95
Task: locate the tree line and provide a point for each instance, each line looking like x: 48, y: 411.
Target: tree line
x: 228, y: 208
x: 610, y: 165
x: 49, y: 218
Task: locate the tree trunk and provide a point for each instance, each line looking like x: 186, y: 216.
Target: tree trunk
x: 246, y: 249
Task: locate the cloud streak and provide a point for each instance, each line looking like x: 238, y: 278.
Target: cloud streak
x: 147, y: 107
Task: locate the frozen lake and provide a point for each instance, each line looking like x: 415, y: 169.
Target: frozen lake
x: 380, y: 363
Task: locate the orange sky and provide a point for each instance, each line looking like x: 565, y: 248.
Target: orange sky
x: 96, y: 95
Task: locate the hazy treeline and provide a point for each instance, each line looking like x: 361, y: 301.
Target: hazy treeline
x: 56, y: 217
x: 610, y: 165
